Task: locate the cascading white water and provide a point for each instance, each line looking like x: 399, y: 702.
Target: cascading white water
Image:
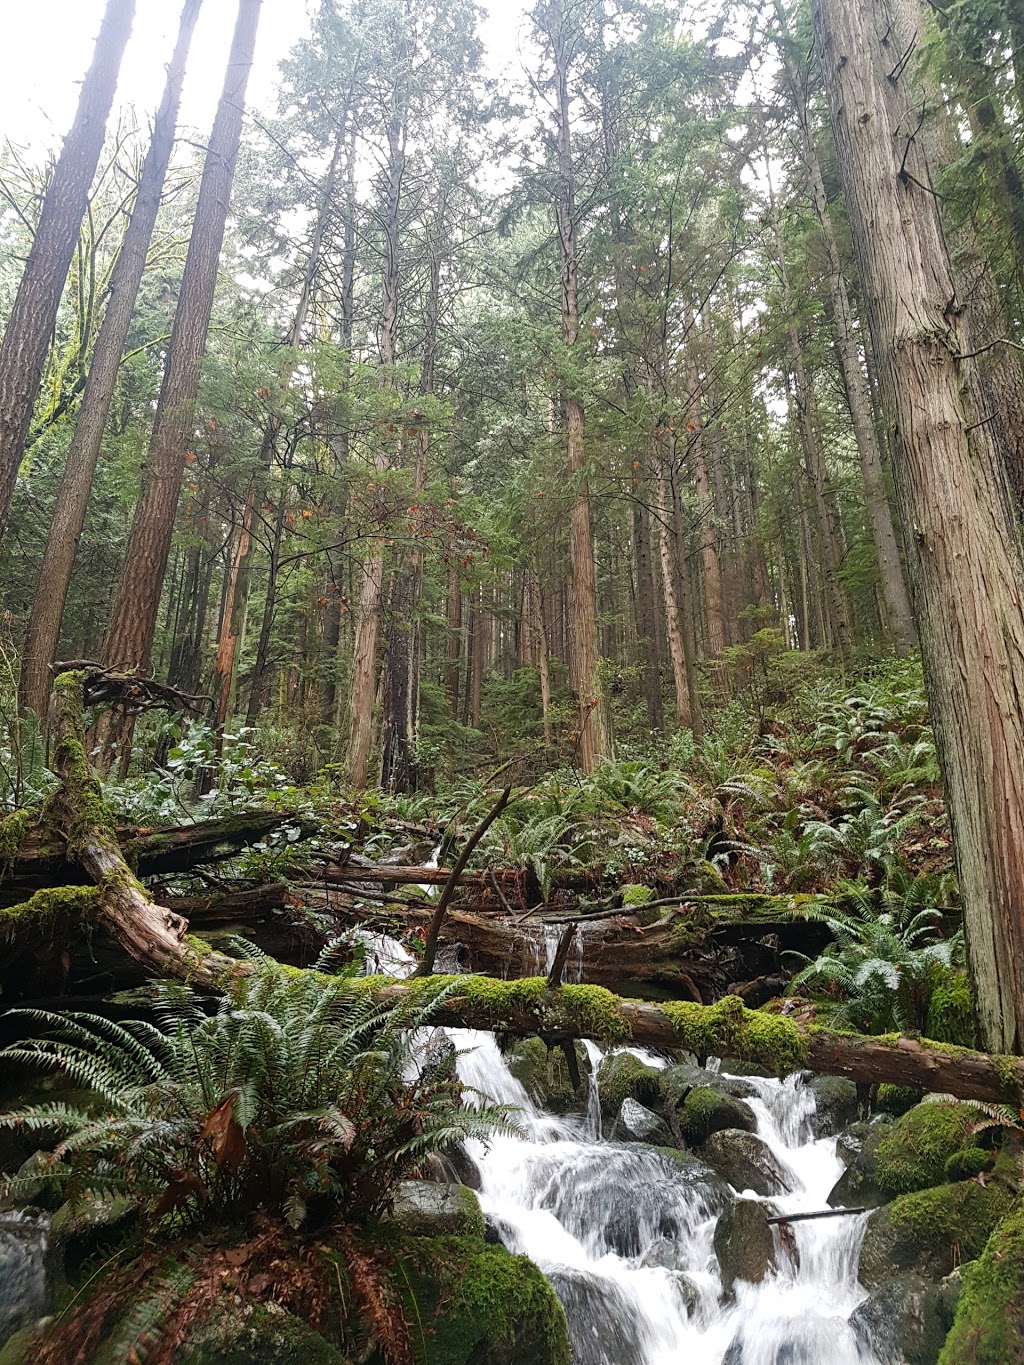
x: 625, y: 1232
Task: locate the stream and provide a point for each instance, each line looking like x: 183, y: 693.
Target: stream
x: 625, y: 1234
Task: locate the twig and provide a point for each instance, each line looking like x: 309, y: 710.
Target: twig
x: 434, y: 932
x: 822, y: 1213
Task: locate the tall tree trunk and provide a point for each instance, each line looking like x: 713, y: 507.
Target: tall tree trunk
x: 968, y: 577
x: 584, y: 653
x: 899, y: 617
x: 242, y: 564
x: 453, y: 642
x: 43, y: 630
x: 133, y: 615
x: 34, y: 311
x: 646, y: 612
x: 707, y: 527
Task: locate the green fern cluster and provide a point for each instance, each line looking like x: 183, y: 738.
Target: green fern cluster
x: 301, y: 1096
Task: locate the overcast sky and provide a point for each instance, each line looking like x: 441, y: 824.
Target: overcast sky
x: 48, y: 45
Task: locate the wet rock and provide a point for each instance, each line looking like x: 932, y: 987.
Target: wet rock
x: 622, y: 1076
x: 79, y: 1231
x: 837, y: 1104
x: 744, y: 1244
x: 23, y: 1284
x: 901, y: 1321
x: 676, y: 1081
x: 858, y: 1185
x: 422, y: 1209
x: 635, y: 1123
x: 929, y: 1232
x: 804, y: 1344
x: 604, y: 1325
x: 466, y: 1170
x: 745, y: 1161
x: 706, y: 1111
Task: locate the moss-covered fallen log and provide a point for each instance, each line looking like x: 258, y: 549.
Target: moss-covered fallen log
x: 728, y: 1029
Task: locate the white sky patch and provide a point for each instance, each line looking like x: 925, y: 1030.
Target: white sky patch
x: 48, y: 46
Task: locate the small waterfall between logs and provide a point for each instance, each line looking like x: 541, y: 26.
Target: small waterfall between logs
x: 625, y: 1233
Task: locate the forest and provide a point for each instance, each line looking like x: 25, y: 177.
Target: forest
x: 512, y: 689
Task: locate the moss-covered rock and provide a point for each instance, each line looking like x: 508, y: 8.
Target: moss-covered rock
x: 677, y: 1082
x: 969, y: 1163
x: 472, y: 1304
x: 424, y: 1209
x: 989, y: 1324
x: 931, y: 1231
x: 912, y: 1154
x: 258, y: 1338
x: 544, y: 1074
x: 622, y: 1076
x: 744, y: 1244
x: 705, y: 1111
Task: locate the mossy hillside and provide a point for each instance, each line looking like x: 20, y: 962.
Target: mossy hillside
x: 932, y: 1231
x: 912, y: 1154
x: 989, y: 1324
x: 473, y: 1304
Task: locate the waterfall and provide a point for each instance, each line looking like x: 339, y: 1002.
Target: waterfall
x: 625, y: 1231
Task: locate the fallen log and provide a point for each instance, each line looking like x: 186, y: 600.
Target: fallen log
x: 727, y: 1029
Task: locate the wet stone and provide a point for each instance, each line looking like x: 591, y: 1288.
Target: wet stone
x: 745, y: 1161
x: 744, y: 1244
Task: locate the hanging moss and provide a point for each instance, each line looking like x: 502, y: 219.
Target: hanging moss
x: 912, y: 1155
x: 50, y: 906
x: 989, y: 1324
x: 729, y: 1029
x: 13, y: 829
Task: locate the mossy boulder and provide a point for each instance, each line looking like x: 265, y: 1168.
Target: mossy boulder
x: 744, y: 1244
x: 902, y: 1319
x: 544, y: 1074
x: 677, y: 1081
x: 260, y: 1337
x: 745, y: 1162
x: 989, y: 1324
x: 930, y: 1232
x: 896, y: 1099
x: 473, y: 1304
x: 622, y: 1076
x: 912, y: 1154
x: 706, y: 1111
x: 836, y: 1104
x: 969, y: 1163
x: 422, y: 1208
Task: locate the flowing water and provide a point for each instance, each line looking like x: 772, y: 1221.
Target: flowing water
x: 625, y: 1233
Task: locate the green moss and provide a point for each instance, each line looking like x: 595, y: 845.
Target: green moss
x: 704, y: 1112
x: 595, y: 1012
x: 52, y: 905
x: 636, y: 894
x: 969, y: 1163
x: 897, y: 1099
x: 932, y: 1231
x: 544, y: 1073
x: 729, y: 1029
x: 13, y: 829
x: 623, y: 1076
x: 913, y: 1153
x: 950, y: 1012
x: 470, y: 1303
x: 989, y: 1324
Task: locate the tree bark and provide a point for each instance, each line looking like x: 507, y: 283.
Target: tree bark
x: 968, y: 578
x: 36, y: 303
x: 43, y: 630
x: 133, y: 615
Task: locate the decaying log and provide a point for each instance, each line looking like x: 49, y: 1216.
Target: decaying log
x: 42, y: 858
x: 727, y: 1029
